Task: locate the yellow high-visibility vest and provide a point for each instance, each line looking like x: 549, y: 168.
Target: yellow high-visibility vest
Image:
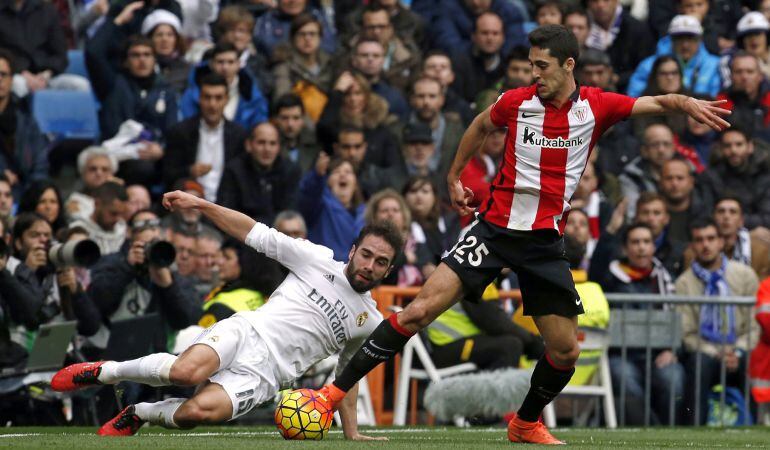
x: 237, y: 300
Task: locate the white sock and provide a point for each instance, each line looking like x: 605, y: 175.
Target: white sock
x: 160, y: 413
x: 152, y: 370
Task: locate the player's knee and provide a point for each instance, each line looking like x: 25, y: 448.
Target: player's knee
x: 565, y: 355
x: 184, y: 373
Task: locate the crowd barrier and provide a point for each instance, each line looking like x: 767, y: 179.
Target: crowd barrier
x: 655, y: 326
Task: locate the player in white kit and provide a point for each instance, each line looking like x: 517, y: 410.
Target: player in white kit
x: 322, y: 308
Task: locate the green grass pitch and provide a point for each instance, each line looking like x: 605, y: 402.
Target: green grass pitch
x: 233, y: 438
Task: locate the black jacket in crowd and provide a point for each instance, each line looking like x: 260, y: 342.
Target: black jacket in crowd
x: 34, y: 36
x: 632, y: 44
x: 182, y: 147
x: 258, y: 192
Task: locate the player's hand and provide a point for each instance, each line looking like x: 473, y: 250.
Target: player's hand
x: 360, y: 437
x: 618, y: 217
x: 708, y: 112
x: 461, y: 197
x: 179, y: 201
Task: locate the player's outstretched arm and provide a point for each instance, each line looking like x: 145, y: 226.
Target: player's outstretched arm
x: 472, y: 140
x: 349, y: 415
x: 708, y: 112
x: 232, y: 222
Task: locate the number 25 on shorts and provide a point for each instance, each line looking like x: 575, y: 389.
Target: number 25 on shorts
x: 474, y: 255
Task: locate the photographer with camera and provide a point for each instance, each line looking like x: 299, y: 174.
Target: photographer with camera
x: 48, y: 266
x: 106, y: 225
x: 138, y: 280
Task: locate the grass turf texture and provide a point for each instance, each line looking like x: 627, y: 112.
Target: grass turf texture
x: 232, y: 438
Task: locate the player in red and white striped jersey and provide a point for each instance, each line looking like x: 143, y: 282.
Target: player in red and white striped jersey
x: 552, y: 127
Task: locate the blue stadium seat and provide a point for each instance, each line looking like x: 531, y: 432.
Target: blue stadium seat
x: 77, y: 63
x: 66, y: 114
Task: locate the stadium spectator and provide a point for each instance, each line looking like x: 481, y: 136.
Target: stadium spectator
x: 455, y: 22
x: 651, y: 211
x: 138, y: 199
x: 407, y: 24
x: 353, y: 103
x: 235, y: 25
x: 31, y: 31
x: 685, y: 203
x: 208, y: 260
x: 234, y: 293
x: 482, y: 169
x: 446, y: 129
x: 351, y: 146
x: 748, y: 96
x: 639, y: 272
x: 740, y: 244
x: 291, y: 223
x: 62, y: 296
x: 197, y: 18
x: 665, y: 78
x: 184, y: 244
x: 418, y: 152
x: 752, y: 38
x: 368, y: 59
x: 434, y: 231
x: 6, y: 201
x: 389, y: 206
x: 759, y: 368
x: 272, y: 27
x: 302, y: 67
x: 96, y: 165
x: 595, y: 70
x: 625, y: 39
x: 260, y: 182
x: 642, y: 174
x: 24, y: 155
x: 579, y: 231
x: 330, y: 200
x: 482, y: 64
x: 549, y: 12
x: 438, y: 65
x: 188, y: 221
x: 298, y: 138
x: 106, y: 225
x: 719, y: 333
x: 700, y: 68
x: 402, y: 58
x: 130, y: 14
x: 246, y: 105
x: 126, y: 284
x: 742, y: 171
x: 592, y: 201
x: 576, y: 19
x: 518, y: 73
x: 44, y: 198
x: 201, y: 146
x: 164, y: 28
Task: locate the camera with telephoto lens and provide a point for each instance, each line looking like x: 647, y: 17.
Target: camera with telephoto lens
x: 158, y: 253
x: 84, y: 253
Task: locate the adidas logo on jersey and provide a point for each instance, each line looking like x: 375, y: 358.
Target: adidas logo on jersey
x: 530, y: 138
x: 329, y: 277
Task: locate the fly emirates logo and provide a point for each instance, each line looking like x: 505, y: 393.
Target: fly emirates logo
x: 533, y: 138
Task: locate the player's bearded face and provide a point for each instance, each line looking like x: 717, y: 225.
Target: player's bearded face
x: 369, y: 263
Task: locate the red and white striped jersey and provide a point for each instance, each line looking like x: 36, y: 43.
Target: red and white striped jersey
x: 546, y: 151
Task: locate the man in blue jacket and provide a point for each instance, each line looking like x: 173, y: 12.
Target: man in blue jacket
x: 455, y: 22
x: 684, y: 42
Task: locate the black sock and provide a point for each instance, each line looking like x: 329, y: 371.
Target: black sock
x: 385, y: 341
x: 547, y: 381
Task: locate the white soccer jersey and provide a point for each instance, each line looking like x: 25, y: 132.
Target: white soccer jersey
x: 315, y: 312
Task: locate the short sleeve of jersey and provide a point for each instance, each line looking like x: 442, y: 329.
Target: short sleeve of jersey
x: 614, y: 108
x: 501, y: 110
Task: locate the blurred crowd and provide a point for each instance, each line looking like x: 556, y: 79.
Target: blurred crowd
x: 319, y: 116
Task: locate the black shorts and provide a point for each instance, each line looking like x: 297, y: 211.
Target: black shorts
x: 536, y: 256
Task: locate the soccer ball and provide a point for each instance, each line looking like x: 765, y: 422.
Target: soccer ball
x: 301, y: 415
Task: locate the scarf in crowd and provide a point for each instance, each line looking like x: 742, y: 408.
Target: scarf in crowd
x: 602, y: 39
x: 714, y: 325
x: 742, y: 249
x: 657, y: 274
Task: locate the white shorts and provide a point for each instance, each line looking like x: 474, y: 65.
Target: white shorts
x: 245, y: 370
